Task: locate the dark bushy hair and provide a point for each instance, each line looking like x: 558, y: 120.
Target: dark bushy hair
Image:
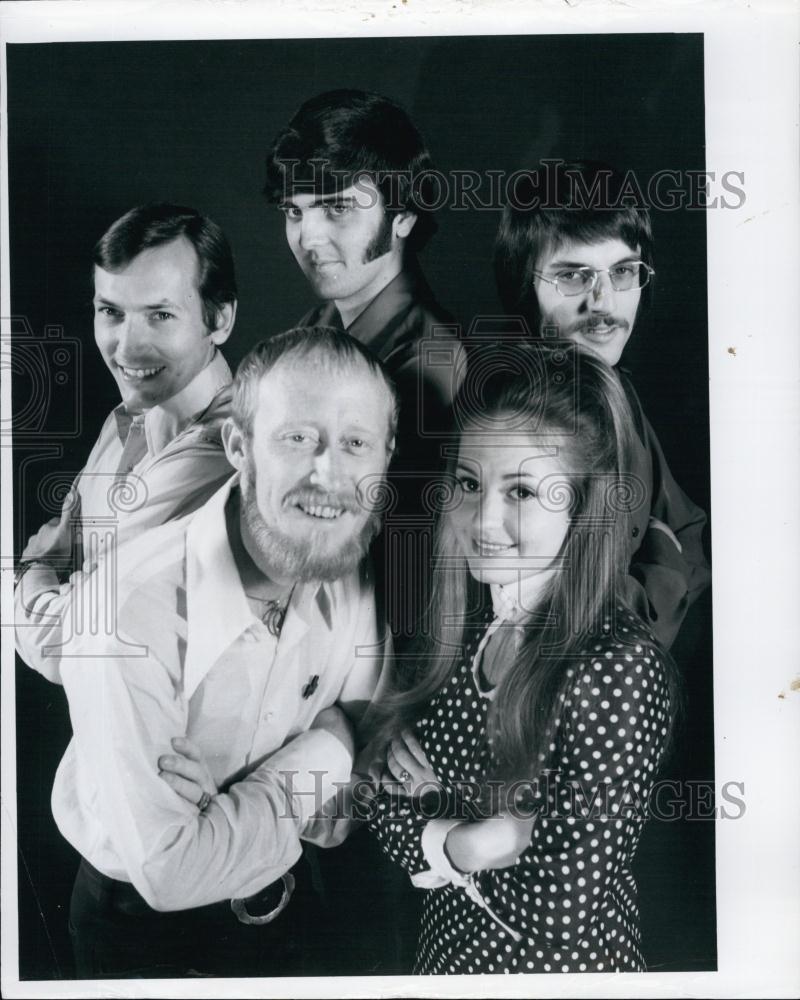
x: 337, y: 348
x: 160, y: 222
x: 556, y: 203
x: 590, y: 413
x: 340, y: 135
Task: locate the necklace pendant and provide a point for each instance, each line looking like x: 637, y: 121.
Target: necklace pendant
x: 273, y: 616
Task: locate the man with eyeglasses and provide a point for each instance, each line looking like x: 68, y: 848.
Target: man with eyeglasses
x: 573, y: 257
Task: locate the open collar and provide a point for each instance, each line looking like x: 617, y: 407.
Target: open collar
x: 217, y: 609
x: 163, y: 423
x: 390, y: 302
x: 372, y: 325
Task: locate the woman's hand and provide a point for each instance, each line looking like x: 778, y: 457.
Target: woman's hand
x: 187, y: 773
x: 495, y: 842
x: 407, y: 765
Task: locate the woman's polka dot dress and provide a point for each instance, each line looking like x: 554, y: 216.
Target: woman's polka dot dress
x: 570, y: 897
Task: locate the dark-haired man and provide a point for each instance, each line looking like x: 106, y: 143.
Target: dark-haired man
x: 354, y: 179
x: 352, y: 175
x: 164, y: 302
x: 574, y: 258
x: 202, y: 749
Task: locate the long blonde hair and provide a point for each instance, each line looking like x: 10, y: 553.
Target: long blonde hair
x: 540, y: 389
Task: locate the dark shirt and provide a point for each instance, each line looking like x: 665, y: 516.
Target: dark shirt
x: 417, y: 340
x: 664, y: 580
x: 406, y: 328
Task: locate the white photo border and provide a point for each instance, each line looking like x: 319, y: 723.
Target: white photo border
x: 751, y: 101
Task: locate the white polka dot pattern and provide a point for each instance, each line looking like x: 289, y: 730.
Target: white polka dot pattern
x: 571, y: 894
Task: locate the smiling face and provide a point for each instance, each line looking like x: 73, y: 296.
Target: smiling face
x: 346, y: 244
x: 148, y: 324
x: 318, y: 445
x: 601, y: 319
x: 506, y: 526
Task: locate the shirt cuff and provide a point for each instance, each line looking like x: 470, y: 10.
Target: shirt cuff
x: 660, y: 526
x: 34, y: 580
x: 314, y: 765
x: 428, y: 880
x: 433, y: 838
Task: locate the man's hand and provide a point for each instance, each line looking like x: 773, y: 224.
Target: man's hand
x: 33, y: 580
x: 186, y: 771
x: 334, y: 721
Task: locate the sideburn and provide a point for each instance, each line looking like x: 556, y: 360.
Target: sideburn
x: 381, y: 242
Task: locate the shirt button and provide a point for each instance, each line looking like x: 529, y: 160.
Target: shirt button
x: 268, y: 716
x: 635, y: 532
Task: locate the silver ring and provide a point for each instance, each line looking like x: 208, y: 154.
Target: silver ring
x: 204, y: 802
x: 404, y: 776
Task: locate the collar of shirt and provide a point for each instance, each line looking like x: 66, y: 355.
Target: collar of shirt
x: 217, y: 609
x: 397, y: 296
x: 163, y: 423
x: 509, y: 602
x: 407, y: 288
x: 514, y: 600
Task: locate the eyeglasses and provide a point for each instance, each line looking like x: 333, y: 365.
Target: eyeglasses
x: 579, y: 280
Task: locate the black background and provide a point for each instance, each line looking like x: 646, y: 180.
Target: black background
x: 95, y: 128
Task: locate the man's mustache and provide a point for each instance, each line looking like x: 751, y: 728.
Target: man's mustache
x: 307, y: 497
x: 603, y: 319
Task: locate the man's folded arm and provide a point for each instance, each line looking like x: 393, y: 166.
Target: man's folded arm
x: 48, y: 558
x: 682, y: 516
x: 362, y: 690
x: 124, y: 713
x: 181, y: 480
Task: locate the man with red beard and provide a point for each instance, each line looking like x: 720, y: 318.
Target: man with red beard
x: 573, y: 257
x: 251, y: 638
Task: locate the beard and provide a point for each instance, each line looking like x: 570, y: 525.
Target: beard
x: 303, y: 560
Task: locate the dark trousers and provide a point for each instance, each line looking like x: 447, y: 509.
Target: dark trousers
x: 116, y: 935
x: 377, y: 911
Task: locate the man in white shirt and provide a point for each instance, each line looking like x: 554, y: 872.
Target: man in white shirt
x: 243, y: 625
x: 164, y: 301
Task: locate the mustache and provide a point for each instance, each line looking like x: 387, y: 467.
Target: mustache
x: 308, y: 497
x: 598, y: 319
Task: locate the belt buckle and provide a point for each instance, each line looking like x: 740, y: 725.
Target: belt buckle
x: 239, y: 906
